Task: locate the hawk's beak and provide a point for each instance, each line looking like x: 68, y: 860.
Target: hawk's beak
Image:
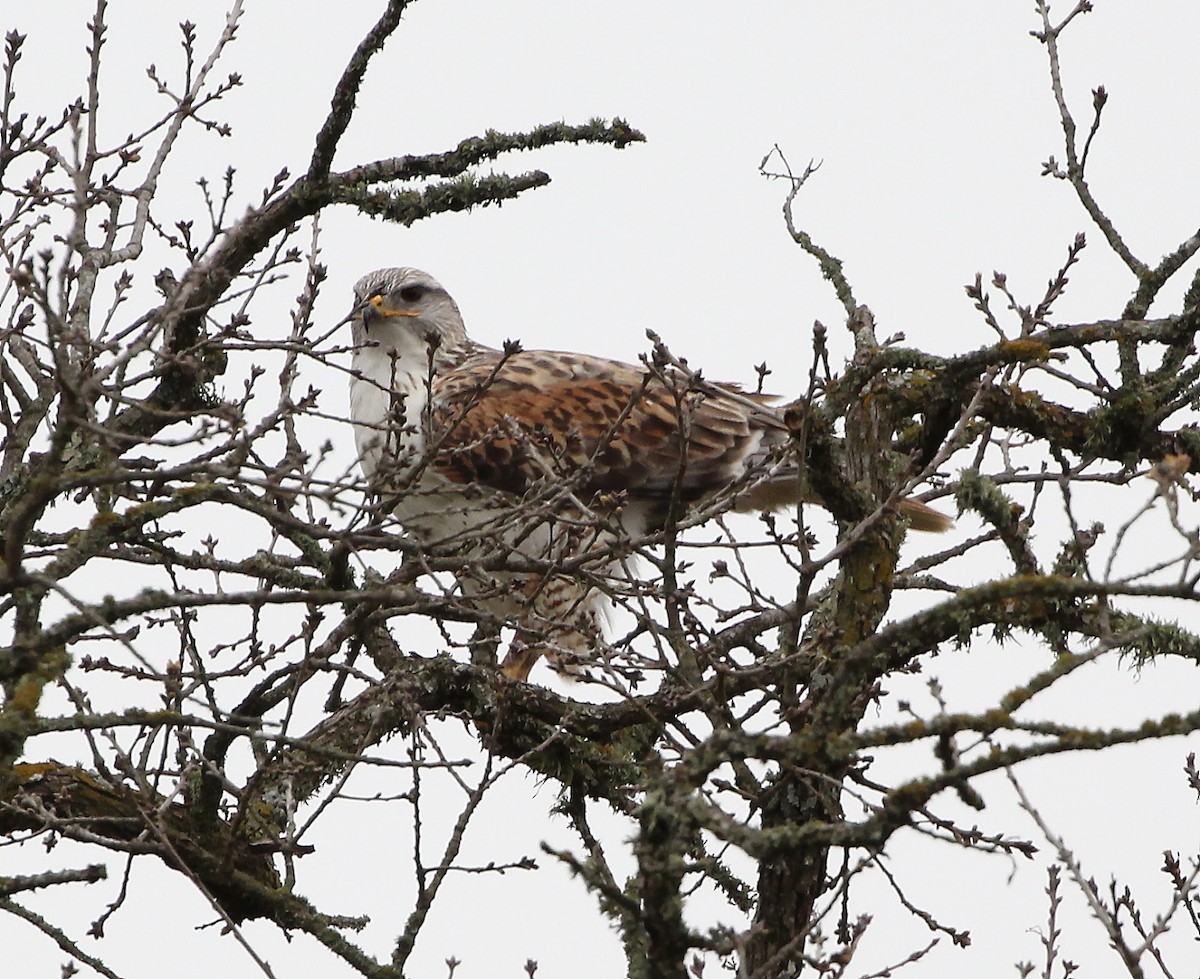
x: 374, y: 310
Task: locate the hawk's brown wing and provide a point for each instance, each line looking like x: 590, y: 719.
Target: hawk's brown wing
x: 507, y: 421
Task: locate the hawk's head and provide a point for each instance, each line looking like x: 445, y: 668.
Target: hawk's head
x: 395, y: 305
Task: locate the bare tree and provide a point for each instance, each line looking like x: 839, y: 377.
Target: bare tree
x: 237, y: 628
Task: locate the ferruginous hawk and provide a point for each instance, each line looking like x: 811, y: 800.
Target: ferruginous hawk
x: 454, y: 434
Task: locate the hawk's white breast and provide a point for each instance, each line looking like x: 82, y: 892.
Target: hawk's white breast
x: 388, y: 402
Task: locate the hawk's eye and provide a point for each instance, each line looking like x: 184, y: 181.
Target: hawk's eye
x: 412, y: 294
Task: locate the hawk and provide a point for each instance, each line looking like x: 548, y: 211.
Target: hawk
x: 454, y: 435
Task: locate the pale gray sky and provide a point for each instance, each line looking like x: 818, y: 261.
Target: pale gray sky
x: 932, y: 120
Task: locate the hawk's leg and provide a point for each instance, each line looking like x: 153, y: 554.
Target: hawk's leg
x: 561, y: 621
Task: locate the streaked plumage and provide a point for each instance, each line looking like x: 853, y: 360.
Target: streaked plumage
x: 454, y: 433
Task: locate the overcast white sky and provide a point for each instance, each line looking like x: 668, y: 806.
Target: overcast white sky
x: 931, y: 120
